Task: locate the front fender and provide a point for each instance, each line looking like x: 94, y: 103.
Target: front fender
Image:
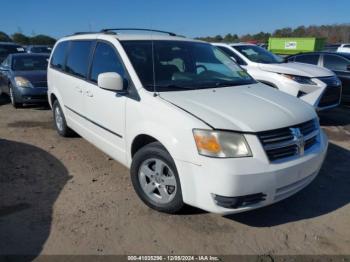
x: 180, y: 145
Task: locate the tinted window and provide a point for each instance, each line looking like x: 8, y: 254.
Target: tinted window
x: 78, y: 58
x: 336, y: 63
x: 307, y: 59
x: 29, y: 63
x: 230, y: 53
x: 59, y: 56
x: 105, y: 60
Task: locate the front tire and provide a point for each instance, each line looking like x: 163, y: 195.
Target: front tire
x: 60, y: 121
x: 155, y: 179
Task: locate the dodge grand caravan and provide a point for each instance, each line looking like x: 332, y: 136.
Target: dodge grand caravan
x: 193, y: 127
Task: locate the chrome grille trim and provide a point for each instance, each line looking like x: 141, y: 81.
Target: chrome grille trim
x: 282, y: 143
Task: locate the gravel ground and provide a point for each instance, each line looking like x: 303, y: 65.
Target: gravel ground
x: 64, y: 196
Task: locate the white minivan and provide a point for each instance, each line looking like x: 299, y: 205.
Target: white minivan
x: 193, y: 127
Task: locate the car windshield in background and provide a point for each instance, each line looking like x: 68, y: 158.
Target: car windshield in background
x: 258, y: 54
x: 183, y: 65
x: 29, y: 63
x: 41, y: 49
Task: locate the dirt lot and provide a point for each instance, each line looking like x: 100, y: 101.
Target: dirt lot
x: 64, y: 196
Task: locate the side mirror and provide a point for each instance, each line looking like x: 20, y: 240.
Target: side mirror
x: 110, y: 81
x: 348, y: 67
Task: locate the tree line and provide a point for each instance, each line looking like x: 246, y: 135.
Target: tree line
x: 339, y: 33
x: 23, y: 39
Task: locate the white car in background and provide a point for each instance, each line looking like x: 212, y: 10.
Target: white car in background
x: 344, y: 48
x: 317, y: 86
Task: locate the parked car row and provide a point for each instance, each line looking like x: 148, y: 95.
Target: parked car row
x: 7, y: 48
x: 24, y: 78
x: 23, y: 73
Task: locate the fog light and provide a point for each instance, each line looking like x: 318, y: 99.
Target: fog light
x: 240, y: 201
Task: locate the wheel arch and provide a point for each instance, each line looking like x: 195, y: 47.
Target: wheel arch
x: 141, y: 141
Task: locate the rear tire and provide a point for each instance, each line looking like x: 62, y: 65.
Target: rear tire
x: 60, y: 121
x: 14, y: 102
x: 155, y: 179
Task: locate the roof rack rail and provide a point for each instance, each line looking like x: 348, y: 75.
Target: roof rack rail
x: 84, y: 33
x: 110, y: 30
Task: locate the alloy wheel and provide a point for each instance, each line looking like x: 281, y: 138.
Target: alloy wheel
x: 157, y: 180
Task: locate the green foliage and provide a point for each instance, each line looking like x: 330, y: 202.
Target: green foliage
x: 20, y: 38
x: 339, y: 33
x: 4, y: 37
x: 42, y: 40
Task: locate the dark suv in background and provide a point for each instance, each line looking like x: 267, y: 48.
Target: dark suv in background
x: 36, y: 49
x: 7, y: 48
x: 339, y: 63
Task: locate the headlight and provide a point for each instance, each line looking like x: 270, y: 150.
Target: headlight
x: 300, y: 79
x: 22, y: 82
x: 221, y: 144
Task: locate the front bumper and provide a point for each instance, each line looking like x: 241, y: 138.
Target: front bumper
x: 248, y: 176
x: 31, y: 95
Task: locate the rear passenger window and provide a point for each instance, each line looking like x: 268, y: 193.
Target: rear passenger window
x: 78, y: 58
x: 307, y: 59
x: 59, y: 56
x: 335, y: 63
x: 105, y: 60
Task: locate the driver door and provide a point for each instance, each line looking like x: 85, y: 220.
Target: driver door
x: 104, y: 108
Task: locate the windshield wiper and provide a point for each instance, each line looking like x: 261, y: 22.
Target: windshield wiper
x: 169, y: 86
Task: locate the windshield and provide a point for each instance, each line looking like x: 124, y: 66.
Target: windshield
x: 181, y: 65
x: 29, y: 63
x: 258, y: 54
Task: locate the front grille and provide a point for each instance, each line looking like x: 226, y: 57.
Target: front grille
x: 331, y: 95
x: 284, y: 142
x: 35, y: 97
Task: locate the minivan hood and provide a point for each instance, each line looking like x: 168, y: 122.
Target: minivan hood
x: 248, y: 108
x: 298, y: 69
